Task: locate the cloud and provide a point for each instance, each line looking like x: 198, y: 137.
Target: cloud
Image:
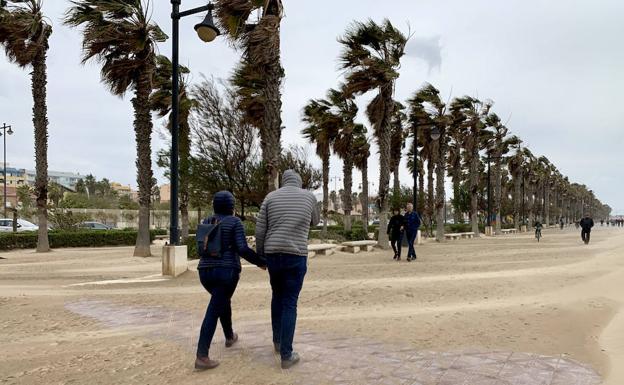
x: 427, y: 49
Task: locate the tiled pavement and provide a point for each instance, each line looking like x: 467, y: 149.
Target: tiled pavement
x: 339, y: 360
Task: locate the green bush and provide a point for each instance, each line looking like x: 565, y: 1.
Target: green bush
x: 62, y: 239
x: 191, y: 246
x: 250, y: 228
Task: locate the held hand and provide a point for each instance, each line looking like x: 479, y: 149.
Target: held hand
x: 263, y: 267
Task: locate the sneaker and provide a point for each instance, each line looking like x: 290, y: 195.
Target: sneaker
x: 230, y: 342
x: 205, y: 363
x: 292, y: 361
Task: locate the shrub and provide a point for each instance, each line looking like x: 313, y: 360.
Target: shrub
x: 62, y: 239
x: 250, y: 228
x: 67, y: 221
x: 191, y: 246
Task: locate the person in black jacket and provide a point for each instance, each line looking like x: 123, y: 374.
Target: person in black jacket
x: 219, y: 276
x: 586, y: 225
x: 395, y: 230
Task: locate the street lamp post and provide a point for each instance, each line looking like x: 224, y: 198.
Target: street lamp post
x: 489, y: 192
x: 6, y: 130
x: 435, y: 135
x: 207, y: 32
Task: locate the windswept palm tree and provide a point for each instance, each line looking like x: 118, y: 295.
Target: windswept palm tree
x: 515, y: 164
x: 474, y: 112
x: 361, y: 153
x: 344, y: 110
x: 321, y: 130
x: 160, y: 101
x: 397, y: 144
x: 24, y: 34
x: 254, y: 27
x: 371, y: 57
x: 120, y: 35
x: 427, y: 102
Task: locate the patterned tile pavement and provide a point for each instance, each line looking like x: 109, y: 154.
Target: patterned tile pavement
x: 351, y: 361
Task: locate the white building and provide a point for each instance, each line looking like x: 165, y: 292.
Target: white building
x: 65, y: 179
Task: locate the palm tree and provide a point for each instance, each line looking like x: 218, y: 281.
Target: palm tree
x: 361, y: 153
x: 397, y: 144
x: 120, y: 35
x: 456, y: 134
x: 498, y: 146
x: 260, y: 73
x: 160, y: 101
x: 372, y: 56
x: 321, y: 131
x: 24, y: 34
x: 474, y: 111
x: 344, y: 110
x: 515, y: 164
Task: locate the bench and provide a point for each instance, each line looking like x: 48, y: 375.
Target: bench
x: 321, y: 249
x: 467, y: 235
x: 509, y: 231
x: 355, y: 246
x: 453, y: 236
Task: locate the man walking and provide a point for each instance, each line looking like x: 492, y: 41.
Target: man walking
x: 282, y: 237
x: 412, y: 223
x: 586, y: 225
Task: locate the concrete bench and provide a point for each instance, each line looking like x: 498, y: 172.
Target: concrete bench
x: 509, y: 231
x: 356, y: 246
x: 321, y: 249
x: 467, y: 235
x: 453, y: 236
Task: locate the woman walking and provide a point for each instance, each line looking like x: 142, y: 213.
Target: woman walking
x: 395, y: 230
x: 219, y: 275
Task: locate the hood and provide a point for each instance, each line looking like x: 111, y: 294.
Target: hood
x: 223, y: 203
x: 291, y: 178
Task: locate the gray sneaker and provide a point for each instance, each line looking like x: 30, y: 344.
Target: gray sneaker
x: 292, y: 361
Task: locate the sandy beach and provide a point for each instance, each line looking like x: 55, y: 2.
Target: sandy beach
x: 81, y: 316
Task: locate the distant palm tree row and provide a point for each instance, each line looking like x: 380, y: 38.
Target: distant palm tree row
x: 471, y: 136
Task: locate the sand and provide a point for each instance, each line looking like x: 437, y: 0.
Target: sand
x: 100, y: 316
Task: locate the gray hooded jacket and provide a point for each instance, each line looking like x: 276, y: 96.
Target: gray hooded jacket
x: 285, y: 218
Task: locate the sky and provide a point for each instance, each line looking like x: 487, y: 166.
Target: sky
x: 555, y: 70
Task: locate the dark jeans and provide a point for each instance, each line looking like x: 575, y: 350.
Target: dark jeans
x: 395, y: 241
x: 411, y: 237
x: 221, y: 283
x: 585, y: 235
x: 287, y: 273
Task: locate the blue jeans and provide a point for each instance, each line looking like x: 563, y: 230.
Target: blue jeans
x: 411, y: 238
x: 221, y: 283
x: 287, y: 273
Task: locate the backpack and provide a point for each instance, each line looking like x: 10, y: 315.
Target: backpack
x: 208, y: 238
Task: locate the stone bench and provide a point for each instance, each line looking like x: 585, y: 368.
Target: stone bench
x: 509, y: 231
x: 355, y: 246
x: 453, y: 236
x: 320, y: 249
x: 467, y: 235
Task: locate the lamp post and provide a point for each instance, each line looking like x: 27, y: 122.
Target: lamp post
x: 207, y: 32
x: 6, y: 130
x: 489, y: 190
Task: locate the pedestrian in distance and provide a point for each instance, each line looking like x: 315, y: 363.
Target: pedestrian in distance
x: 220, y: 243
x: 282, y: 232
x: 586, y: 225
x: 395, y: 231
x: 412, y: 224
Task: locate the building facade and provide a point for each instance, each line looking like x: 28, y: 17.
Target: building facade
x: 65, y: 179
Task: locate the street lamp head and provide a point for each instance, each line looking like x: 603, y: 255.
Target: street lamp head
x: 435, y: 133
x: 207, y: 30
x: 10, y: 131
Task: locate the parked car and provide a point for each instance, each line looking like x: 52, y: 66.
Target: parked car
x: 94, y: 226
x: 6, y: 225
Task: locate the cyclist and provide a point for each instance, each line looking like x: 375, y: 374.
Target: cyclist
x: 538, y: 229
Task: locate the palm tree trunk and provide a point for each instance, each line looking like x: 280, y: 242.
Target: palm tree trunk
x: 40, y: 122
x: 474, y: 184
x: 397, y: 182
x: 547, y: 203
x: 185, y: 149
x: 498, y: 192
x: 384, y: 139
x: 365, y: 197
x: 440, y: 191
x: 421, y: 187
x: 457, y: 214
x: 517, y: 197
x: 325, y: 193
x: 430, y: 193
x: 143, y: 133
x: 347, y: 204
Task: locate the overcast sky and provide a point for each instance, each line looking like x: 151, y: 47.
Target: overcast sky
x: 555, y: 67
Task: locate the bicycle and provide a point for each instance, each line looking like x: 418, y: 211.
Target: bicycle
x: 538, y: 234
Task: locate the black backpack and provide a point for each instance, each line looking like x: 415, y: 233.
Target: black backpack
x: 208, y: 238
